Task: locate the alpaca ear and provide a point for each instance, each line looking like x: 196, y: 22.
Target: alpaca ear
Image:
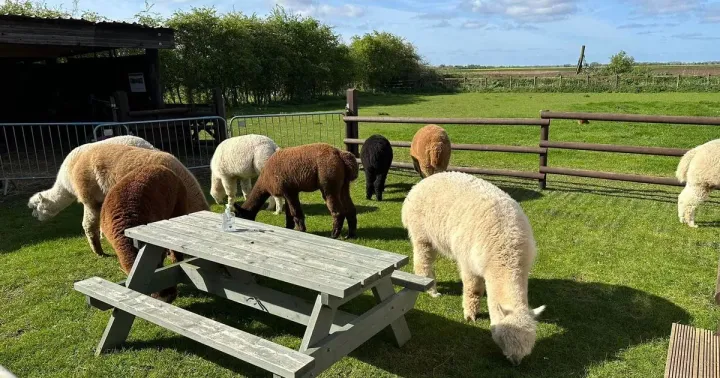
x: 537, y: 311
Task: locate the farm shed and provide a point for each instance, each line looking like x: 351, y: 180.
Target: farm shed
x: 66, y: 70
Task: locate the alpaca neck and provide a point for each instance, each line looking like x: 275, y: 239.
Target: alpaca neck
x: 256, y: 199
x: 507, y: 290
x: 59, y: 197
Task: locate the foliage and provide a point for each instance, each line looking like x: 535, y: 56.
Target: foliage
x: 32, y: 8
x: 382, y: 58
x: 620, y: 63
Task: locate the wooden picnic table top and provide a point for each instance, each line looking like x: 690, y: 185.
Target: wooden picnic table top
x: 318, y: 263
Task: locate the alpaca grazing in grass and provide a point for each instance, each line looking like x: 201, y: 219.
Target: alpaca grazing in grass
x: 490, y: 237
x: 376, y: 157
x: 699, y: 170
x: 240, y: 158
x: 430, y: 150
x: 307, y: 168
x: 94, y: 171
x: 148, y: 194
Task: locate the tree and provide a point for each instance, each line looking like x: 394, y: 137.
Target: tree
x: 381, y: 58
x: 621, y: 63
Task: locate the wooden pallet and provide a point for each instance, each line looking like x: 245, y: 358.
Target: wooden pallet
x: 693, y: 352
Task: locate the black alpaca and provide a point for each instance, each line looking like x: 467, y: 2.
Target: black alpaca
x: 376, y: 157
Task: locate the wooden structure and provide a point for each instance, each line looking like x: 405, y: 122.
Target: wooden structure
x: 224, y: 263
x: 693, y: 353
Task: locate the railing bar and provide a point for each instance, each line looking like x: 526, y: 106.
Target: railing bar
x: 451, y: 121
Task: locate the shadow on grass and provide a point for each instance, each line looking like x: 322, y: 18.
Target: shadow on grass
x: 596, y: 323
x: 321, y: 209
x: 665, y: 195
x: 19, y: 228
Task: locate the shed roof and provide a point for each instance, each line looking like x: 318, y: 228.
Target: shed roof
x: 32, y: 37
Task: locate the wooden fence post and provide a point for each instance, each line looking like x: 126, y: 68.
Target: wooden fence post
x: 351, y: 128
x: 708, y: 80
x: 677, y: 86
x: 544, y: 135
x: 588, y: 81
x: 219, y: 107
x: 560, y: 81
x: 534, y: 81
x: 510, y: 82
x: 123, y: 106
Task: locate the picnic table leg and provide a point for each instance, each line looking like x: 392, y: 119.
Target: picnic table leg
x: 382, y: 291
x: 319, y: 325
x: 120, y: 322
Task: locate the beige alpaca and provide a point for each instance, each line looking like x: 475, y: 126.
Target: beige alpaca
x: 97, y: 168
x: 699, y: 170
x: 491, y: 239
x: 430, y: 150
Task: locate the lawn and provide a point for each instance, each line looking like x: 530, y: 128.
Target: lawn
x: 614, y: 266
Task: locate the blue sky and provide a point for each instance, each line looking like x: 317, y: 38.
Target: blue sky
x: 497, y: 32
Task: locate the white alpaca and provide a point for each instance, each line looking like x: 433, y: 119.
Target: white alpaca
x: 51, y: 202
x: 699, y: 170
x: 490, y: 237
x: 240, y: 158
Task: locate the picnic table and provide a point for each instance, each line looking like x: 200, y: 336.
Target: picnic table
x: 227, y: 263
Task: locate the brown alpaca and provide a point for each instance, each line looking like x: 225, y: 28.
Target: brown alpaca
x: 98, y: 168
x: 430, y: 150
x: 149, y: 194
x: 307, y: 168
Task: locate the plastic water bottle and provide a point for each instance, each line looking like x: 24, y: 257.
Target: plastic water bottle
x: 228, y: 218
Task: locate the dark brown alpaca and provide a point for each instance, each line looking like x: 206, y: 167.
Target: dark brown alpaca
x: 307, y: 168
x: 149, y: 194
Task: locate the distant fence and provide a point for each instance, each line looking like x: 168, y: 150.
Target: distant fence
x: 292, y: 129
x: 544, y: 146
x: 36, y: 150
x: 561, y: 83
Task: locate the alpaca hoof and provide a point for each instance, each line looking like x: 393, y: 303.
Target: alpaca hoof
x: 350, y: 236
x: 470, y: 317
x: 433, y: 293
x: 693, y: 225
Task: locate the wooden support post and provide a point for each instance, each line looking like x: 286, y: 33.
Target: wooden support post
x: 321, y: 320
x: 510, y: 82
x: 544, y: 135
x: 219, y: 107
x: 351, y: 128
x: 383, y: 291
x: 139, y: 278
x: 677, y: 86
x: 560, y: 81
x: 155, y: 86
x: 123, y: 106
x: 534, y: 81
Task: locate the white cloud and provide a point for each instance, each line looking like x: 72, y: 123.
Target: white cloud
x: 441, y: 24
x: 473, y: 25
x: 524, y: 10
x: 669, y: 7
x: 695, y: 36
x: 311, y: 8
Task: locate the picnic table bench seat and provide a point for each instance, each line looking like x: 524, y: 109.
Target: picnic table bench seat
x: 226, y: 264
x: 693, y: 353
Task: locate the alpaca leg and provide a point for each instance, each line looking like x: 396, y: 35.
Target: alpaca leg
x: 91, y: 226
x: 246, y: 187
x: 370, y: 178
x: 424, y: 256
x: 473, y: 289
x: 278, y: 201
x: 380, y: 186
x: 295, y: 210
x: 335, y: 205
x: 349, y: 210
x: 416, y: 165
x: 230, y: 185
x: 688, y: 201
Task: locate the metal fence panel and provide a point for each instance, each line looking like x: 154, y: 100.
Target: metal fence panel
x: 293, y: 129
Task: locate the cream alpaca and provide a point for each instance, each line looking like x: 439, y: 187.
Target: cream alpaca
x: 699, y: 170
x: 96, y: 169
x: 240, y: 158
x: 51, y: 202
x: 490, y: 238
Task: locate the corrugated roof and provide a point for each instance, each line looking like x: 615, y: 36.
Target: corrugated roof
x: 82, y: 22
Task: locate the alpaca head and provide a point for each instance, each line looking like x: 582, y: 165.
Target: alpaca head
x: 515, y: 333
x: 42, y: 207
x: 244, y: 214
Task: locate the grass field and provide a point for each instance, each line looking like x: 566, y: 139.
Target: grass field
x: 614, y: 267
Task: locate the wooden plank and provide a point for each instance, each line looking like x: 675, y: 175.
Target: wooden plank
x: 692, y: 353
x: 287, y: 252
x: 396, y: 259
x: 319, y: 324
x: 411, y: 281
x: 399, y: 327
x: 267, y: 355
x: 265, y: 266
x: 258, y: 297
x: 341, y: 343
x: 288, y: 243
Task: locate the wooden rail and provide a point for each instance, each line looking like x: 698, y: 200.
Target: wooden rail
x: 452, y: 121
x: 468, y: 147
x: 642, y: 118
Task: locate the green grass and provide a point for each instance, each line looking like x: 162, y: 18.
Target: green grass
x: 615, y: 267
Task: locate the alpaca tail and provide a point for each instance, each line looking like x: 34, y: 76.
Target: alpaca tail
x: 351, y: 165
x: 681, y: 172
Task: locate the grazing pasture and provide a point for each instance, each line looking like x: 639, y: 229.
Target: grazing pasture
x: 615, y: 267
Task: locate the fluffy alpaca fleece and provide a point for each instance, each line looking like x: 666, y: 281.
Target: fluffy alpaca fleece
x: 307, y: 168
x: 51, y: 202
x: 699, y: 170
x: 98, y: 167
x: 149, y: 194
x: 240, y: 158
x: 430, y: 150
x: 491, y: 239
x: 376, y: 156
